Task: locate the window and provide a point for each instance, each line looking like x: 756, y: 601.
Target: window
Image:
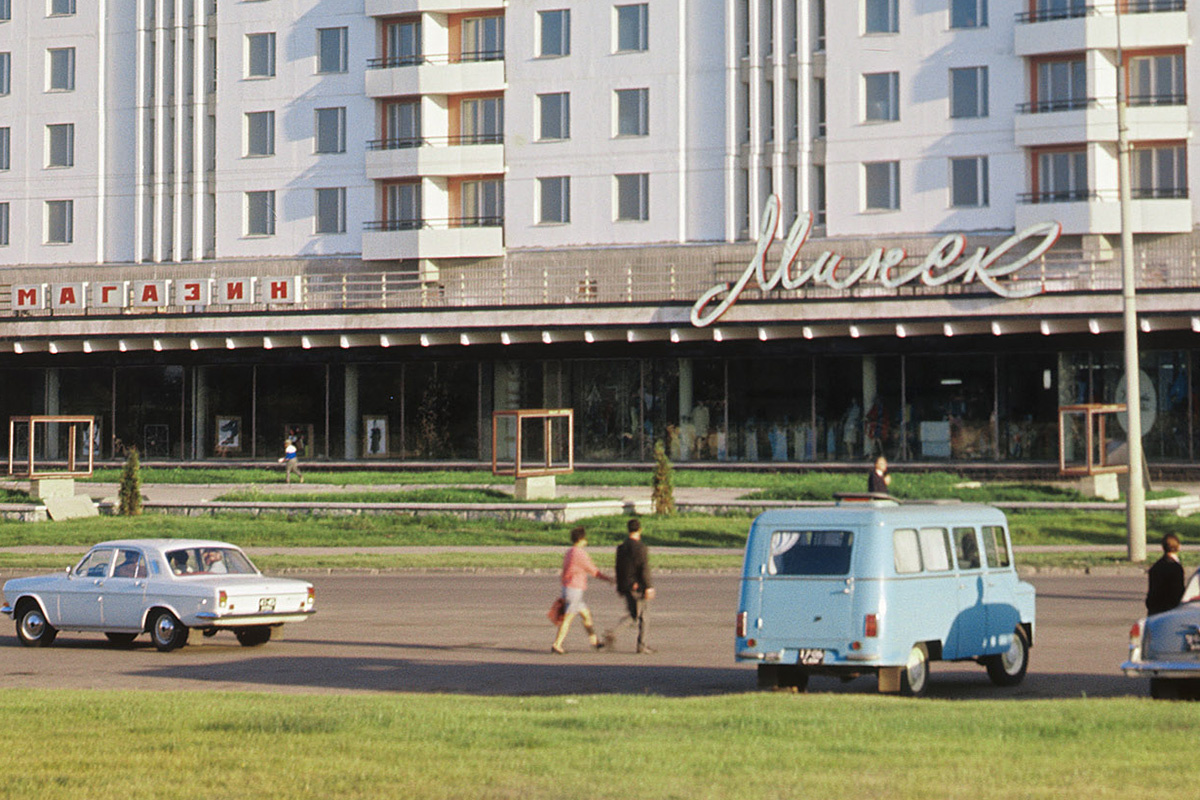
x: 967, y: 548
x: 1061, y: 86
x: 403, y: 121
x: 969, y: 182
x: 968, y: 13
x: 61, y: 8
x: 882, y: 16
x: 554, y: 116
x: 403, y: 206
x: 331, y: 210
x: 5, y: 148
x: 633, y: 112
x: 633, y: 197
x: 882, y: 93
x: 1157, y: 80
x: 554, y: 195
x: 260, y: 133
x: 61, y: 69
x: 1062, y: 176
x: 60, y: 221
x: 331, y: 130
x: 482, y: 121
x: 482, y: 202
x: 935, y: 549
x: 403, y: 43
x: 60, y: 145
x: 995, y: 541
x: 810, y: 552
x: 332, y: 50
x: 260, y: 213
x: 5, y: 15
x: 260, y: 55
x: 3, y: 223
x: 819, y: 100
x: 882, y: 180
x: 554, y: 33
x: 483, y: 39
x: 968, y: 92
x: 5, y: 73
x: 633, y: 28
x: 1159, y: 171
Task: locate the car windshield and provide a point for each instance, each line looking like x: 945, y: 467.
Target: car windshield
x: 188, y: 561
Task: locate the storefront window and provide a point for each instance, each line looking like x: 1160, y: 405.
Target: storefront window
x: 702, y: 410
x: 291, y: 404
x: 951, y: 400
x: 149, y: 410
x: 770, y: 409
x: 441, y: 416
x: 608, y: 420
x: 1028, y: 413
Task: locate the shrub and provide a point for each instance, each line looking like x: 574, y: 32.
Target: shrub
x: 129, y: 496
x: 662, y: 495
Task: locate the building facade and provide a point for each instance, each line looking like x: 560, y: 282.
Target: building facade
x: 371, y: 223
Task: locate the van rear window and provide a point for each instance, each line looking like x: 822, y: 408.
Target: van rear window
x: 810, y: 552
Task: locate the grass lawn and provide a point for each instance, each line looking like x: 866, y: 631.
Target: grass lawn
x: 162, y: 745
x: 443, y: 494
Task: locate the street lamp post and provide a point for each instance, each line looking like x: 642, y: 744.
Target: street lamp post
x: 1135, y: 498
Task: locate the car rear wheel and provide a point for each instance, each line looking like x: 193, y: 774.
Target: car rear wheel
x: 252, y: 637
x: 167, y: 632
x: 914, y: 676
x: 121, y: 639
x: 32, y: 628
x: 1008, y: 668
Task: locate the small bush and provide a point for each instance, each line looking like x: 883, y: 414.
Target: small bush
x: 662, y: 495
x: 129, y: 496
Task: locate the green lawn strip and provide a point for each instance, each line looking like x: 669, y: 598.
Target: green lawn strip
x: 447, y: 494
x: 103, y: 745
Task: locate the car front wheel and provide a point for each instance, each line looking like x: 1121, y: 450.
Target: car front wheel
x: 914, y: 676
x: 167, y: 632
x: 252, y: 637
x: 32, y: 628
x: 1008, y: 668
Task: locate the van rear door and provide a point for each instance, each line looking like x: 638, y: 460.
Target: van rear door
x: 807, y: 590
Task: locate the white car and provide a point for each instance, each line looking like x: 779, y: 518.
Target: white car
x: 164, y: 587
x: 1165, y: 647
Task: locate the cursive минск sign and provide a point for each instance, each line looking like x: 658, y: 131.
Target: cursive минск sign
x: 938, y: 268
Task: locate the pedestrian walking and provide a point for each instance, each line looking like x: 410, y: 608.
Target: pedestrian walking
x: 1165, y: 578
x: 291, y: 462
x: 577, y: 566
x: 633, y: 584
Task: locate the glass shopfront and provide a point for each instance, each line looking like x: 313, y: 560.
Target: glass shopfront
x: 748, y: 408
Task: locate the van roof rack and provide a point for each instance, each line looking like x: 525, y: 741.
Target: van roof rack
x: 864, y: 497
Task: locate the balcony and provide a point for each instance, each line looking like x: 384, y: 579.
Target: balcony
x: 1082, y: 212
x: 448, y: 74
x: 1164, y: 23
x: 436, y: 156
x: 1056, y: 122
x: 392, y: 8
x: 461, y: 237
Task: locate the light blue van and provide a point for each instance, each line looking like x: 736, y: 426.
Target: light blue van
x: 883, y: 587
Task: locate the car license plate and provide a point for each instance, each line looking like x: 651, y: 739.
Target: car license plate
x: 266, y: 604
x: 1193, y: 641
x: 809, y: 657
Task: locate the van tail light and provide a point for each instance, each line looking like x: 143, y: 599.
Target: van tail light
x: 222, y: 599
x: 740, y: 628
x: 871, y: 625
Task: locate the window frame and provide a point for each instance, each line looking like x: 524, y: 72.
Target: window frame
x: 973, y: 13
x: 67, y: 222
x: 564, y: 34
x: 892, y: 186
x: 560, y: 116
x: 982, y: 189
x: 873, y: 82
x: 881, y: 12
x: 640, y: 182
x: 60, y: 145
x: 264, y: 39
x: 562, y: 188
x: 260, y: 124
x: 960, y: 107
x: 1149, y: 159
x: 5, y: 148
x: 342, y: 56
x: 320, y: 132
x: 635, y: 102
x: 631, y: 30
x: 68, y: 11
x: 69, y: 67
x: 5, y: 223
x: 267, y: 197
x: 5, y: 73
x: 321, y: 197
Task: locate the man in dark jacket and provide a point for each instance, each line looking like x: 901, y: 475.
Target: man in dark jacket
x: 633, y: 584
x: 1166, y: 578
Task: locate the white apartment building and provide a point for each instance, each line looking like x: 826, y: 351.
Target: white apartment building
x: 491, y: 204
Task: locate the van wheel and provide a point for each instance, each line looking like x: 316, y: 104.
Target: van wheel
x: 774, y: 676
x: 1162, y: 689
x: 1008, y: 668
x: 914, y: 676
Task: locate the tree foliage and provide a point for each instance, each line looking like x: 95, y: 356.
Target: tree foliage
x: 129, y: 496
x: 662, y: 494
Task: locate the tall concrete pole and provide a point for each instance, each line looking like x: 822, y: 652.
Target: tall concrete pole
x: 1135, y: 498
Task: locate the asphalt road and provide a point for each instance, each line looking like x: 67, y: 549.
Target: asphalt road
x: 488, y: 634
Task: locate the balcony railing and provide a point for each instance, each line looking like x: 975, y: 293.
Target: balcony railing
x: 1158, y: 100
x: 1159, y: 193
x: 1059, y: 104
x: 1047, y: 15
x: 1065, y: 196
x: 461, y: 140
x: 479, y: 221
x: 414, y: 60
x: 1153, y: 6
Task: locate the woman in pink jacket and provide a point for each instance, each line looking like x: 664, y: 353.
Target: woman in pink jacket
x: 577, y: 566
